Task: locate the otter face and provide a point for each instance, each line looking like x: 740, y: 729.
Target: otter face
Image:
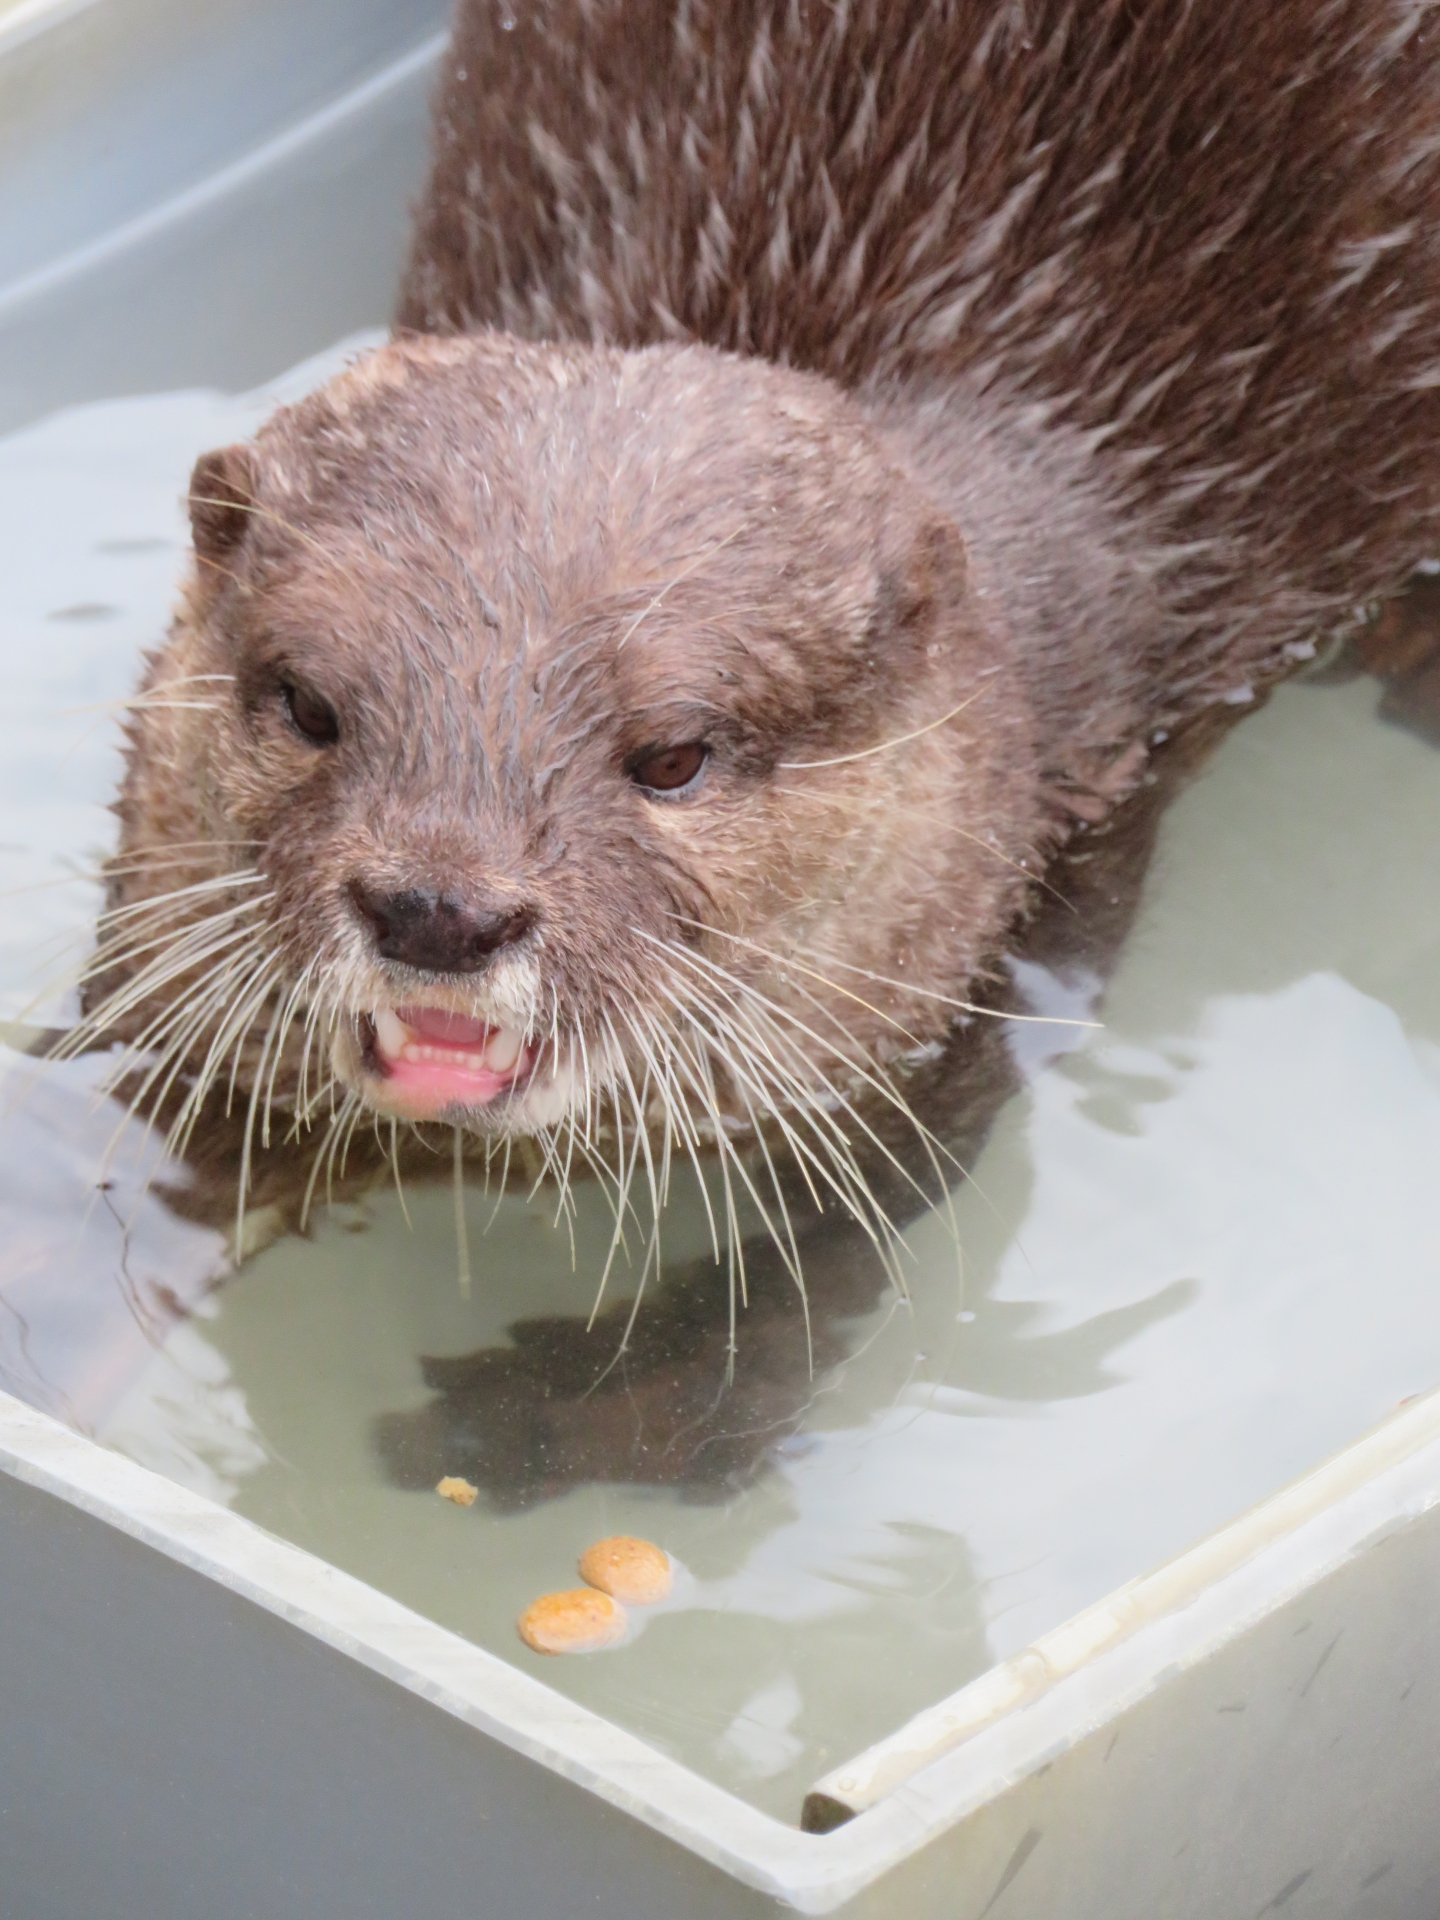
x: 590, y: 727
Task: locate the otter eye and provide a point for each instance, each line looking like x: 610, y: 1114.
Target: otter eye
x: 672, y: 769
x: 310, y: 713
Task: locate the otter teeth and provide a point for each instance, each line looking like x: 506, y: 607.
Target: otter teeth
x: 395, y: 1041
x: 502, y: 1049
x: 391, y: 1034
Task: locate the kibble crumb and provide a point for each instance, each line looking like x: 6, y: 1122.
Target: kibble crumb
x: 632, y: 1570
x: 579, y: 1620
x: 460, y: 1491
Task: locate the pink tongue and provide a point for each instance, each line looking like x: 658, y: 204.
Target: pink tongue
x: 440, y: 1029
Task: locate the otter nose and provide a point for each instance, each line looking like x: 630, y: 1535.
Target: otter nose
x: 438, y: 932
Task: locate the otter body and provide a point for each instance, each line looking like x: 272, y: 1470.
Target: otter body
x: 823, y: 452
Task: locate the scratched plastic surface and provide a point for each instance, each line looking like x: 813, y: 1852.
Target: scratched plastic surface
x: 1201, y: 1247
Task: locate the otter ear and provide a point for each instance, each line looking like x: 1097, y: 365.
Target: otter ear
x: 925, y: 568
x: 222, y: 493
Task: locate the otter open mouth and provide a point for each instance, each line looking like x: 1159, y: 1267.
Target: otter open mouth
x: 436, y: 1059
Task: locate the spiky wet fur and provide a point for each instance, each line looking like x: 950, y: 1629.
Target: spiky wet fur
x: 925, y: 405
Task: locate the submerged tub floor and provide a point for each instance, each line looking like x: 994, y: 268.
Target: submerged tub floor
x: 1200, y: 1247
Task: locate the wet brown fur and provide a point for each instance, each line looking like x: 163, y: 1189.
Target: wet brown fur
x: 822, y: 373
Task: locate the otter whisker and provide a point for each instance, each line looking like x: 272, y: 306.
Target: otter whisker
x: 855, y: 1066
x: 927, y: 1140
x: 233, y: 1033
x: 734, y: 1241
x: 885, y: 746
x: 349, y: 1140
x: 654, y: 1069
x: 263, y: 513
x: 179, y: 952
x: 684, y: 574
x: 640, y: 1105
x: 831, y: 1159
x: 395, y: 1169
x: 565, y: 1191
x: 148, y: 703
x: 504, y: 1180
x: 173, y: 853
x: 559, y: 1170
x: 227, y: 957
x: 726, y: 1145
x: 189, y: 949
x: 327, y: 1140
x: 164, y: 904
x: 941, y: 818
x: 186, y: 1022
x: 657, y: 1068
x: 188, y: 1116
x: 163, y: 1024
x: 588, y: 1082
x: 186, y: 1026
x: 964, y: 1006
x: 462, y: 1236
x: 242, y: 1192
x: 933, y: 1148
x: 301, y: 1122
x: 304, y: 1105
x: 179, y: 957
x: 831, y: 1155
x: 136, y: 699
x: 792, y: 1260
x: 113, y: 868
x: 627, y: 1162
x: 182, y: 1025
x: 234, y: 1029
x: 292, y: 1005
x: 756, y: 1000
x: 883, y: 980
x: 340, y: 1121
x: 689, y: 1138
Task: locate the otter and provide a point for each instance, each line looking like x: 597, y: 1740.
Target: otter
x: 824, y: 455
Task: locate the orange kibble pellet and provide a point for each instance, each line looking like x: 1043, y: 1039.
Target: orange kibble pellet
x: 579, y: 1620
x: 632, y: 1570
x: 452, y: 1487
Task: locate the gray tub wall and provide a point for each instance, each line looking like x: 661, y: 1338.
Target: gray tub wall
x: 151, y: 154
x: 170, y: 1750
x: 1295, y: 1773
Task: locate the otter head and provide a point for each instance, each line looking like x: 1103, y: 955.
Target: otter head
x: 590, y: 725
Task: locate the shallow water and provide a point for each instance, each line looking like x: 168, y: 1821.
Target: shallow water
x: 1201, y: 1247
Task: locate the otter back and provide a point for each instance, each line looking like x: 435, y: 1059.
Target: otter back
x: 1200, y: 238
